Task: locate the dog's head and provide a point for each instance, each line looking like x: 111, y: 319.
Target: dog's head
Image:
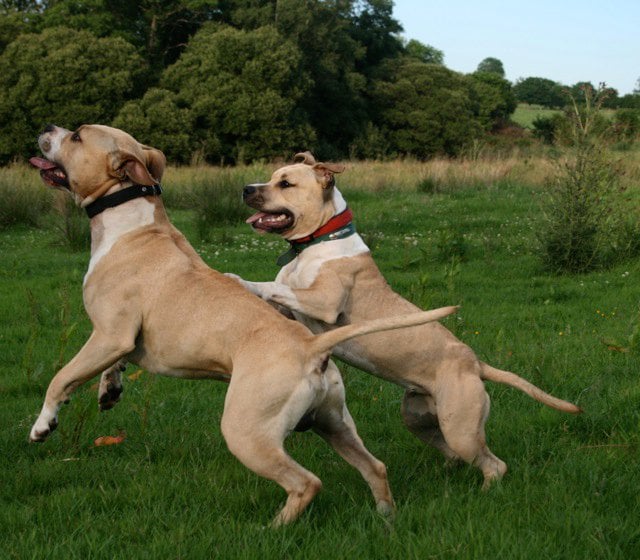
x: 297, y: 200
x: 92, y: 159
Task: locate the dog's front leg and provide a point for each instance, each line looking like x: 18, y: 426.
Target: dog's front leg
x: 99, y: 352
x: 324, y: 300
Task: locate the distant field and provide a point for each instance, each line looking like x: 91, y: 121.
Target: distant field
x: 172, y: 489
x: 525, y: 114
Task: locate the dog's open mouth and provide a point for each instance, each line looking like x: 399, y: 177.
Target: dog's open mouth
x: 271, y: 221
x: 52, y: 174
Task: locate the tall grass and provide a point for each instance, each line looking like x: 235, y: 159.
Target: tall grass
x: 23, y: 200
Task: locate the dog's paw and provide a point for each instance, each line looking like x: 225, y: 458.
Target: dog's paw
x: 233, y: 276
x: 108, y: 399
x: 41, y: 431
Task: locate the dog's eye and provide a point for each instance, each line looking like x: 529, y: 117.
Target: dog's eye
x: 285, y: 184
x: 75, y: 137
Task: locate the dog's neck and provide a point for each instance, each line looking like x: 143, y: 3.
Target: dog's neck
x: 339, y: 203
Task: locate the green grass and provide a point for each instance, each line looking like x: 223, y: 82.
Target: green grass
x: 525, y: 114
x: 172, y: 490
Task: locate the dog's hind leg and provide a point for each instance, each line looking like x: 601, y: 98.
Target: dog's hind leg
x: 259, y: 412
x: 334, y: 423
x: 420, y: 415
x: 463, y: 408
x: 110, y: 387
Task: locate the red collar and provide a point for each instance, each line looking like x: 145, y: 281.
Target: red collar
x: 334, y: 224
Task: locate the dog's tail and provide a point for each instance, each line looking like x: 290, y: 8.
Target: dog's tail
x: 500, y: 376
x: 326, y: 341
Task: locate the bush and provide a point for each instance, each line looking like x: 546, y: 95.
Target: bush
x: 586, y: 225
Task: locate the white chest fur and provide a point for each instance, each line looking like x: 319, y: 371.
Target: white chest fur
x: 113, y: 223
x: 302, y: 271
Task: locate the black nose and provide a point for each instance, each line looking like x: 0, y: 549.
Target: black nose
x: 49, y: 128
x: 248, y: 191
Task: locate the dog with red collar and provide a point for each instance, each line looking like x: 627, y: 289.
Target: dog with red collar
x: 328, y: 279
x: 154, y: 302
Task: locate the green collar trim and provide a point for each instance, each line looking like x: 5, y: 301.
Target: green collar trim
x: 297, y: 247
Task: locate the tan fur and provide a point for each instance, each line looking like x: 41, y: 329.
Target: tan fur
x: 154, y: 302
x: 337, y: 282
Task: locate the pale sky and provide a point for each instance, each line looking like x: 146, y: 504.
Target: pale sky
x: 566, y: 41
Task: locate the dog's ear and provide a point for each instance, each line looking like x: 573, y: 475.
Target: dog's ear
x: 156, y: 162
x: 304, y: 157
x: 325, y: 172
x: 128, y: 165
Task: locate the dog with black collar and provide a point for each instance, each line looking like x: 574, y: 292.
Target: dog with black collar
x: 154, y: 302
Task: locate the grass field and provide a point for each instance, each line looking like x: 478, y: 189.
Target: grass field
x: 172, y: 490
x: 525, y: 114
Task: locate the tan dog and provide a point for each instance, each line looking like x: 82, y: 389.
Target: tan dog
x: 154, y: 302
x: 331, y: 280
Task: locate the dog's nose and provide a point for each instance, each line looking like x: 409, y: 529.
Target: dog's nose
x: 49, y: 128
x: 248, y: 191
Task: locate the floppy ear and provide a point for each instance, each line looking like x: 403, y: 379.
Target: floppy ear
x: 156, y: 162
x: 128, y: 165
x: 304, y: 157
x: 325, y: 172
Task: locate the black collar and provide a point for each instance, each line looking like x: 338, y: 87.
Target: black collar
x: 120, y: 197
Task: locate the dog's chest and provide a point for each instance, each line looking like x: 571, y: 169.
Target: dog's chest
x: 113, y: 224
x: 302, y: 272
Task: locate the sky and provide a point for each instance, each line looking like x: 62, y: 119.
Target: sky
x: 567, y: 41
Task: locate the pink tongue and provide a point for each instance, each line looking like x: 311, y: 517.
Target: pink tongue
x: 42, y: 163
x: 253, y: 219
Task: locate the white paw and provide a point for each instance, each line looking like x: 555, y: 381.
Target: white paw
x: 44, y: 425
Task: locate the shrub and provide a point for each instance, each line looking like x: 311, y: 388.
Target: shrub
x: 586, y: 226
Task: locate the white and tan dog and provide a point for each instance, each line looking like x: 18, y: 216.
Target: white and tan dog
x: 154, y: 302
x: 329, y: 279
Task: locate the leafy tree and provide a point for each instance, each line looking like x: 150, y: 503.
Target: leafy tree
x: 491, y: 65
x: 629, y: 101
x: 63, y: 76
x: 494, y: 101
x: 539, y: 91
x: 425, y: 109
x: 159, y: 121
x: 160, y: 29
x: 375, y: 29
x: 16, y: 17
x: 243, y: 90
x: 424, y: 53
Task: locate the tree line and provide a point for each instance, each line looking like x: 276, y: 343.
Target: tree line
x: 229, y: 81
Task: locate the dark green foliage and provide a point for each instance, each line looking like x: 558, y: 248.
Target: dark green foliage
x: 425, y: 109
x: 239, y: 80
x: 424, y: 53
x: 63, y: 76
x: 241, y: 89
x: 160, y: 30
x: 539, y: 91
x: 626, y: 124
x: 494, y: 101
x: 548, y: 128
x: 158, y: 120
x: 491, y: 65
